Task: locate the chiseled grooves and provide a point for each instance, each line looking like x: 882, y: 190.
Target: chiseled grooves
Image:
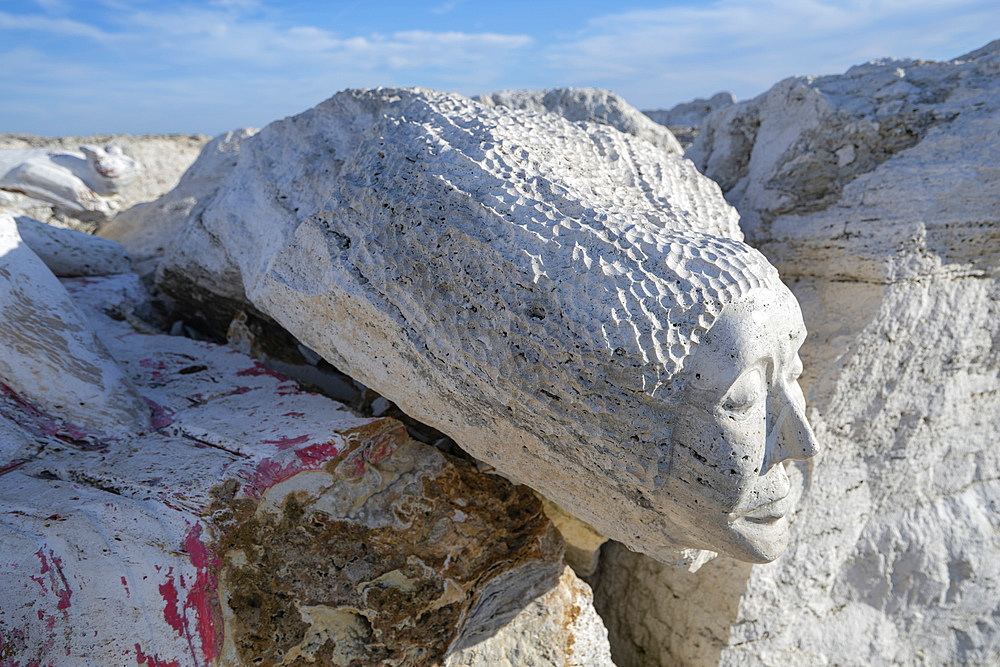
x: 525, y: 284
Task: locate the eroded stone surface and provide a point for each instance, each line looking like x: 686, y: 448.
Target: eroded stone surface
x: 875, y: 193
x: 592, y: 105
x: 48, y: 353
x: 70, y: 253
x: 532, y: 288
x: 146, y: 229
x: 685, y: 119
x: 253, y: 522
x: 558, y: 629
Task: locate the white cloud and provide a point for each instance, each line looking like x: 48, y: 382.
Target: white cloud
x: 659, y: 56
x: 233, y: 63
x: 51, y: 25
x: 223, y: 63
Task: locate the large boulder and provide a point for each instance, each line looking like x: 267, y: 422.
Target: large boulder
x: 558, y: 629
x: 685, y: 119
x: 571, y: 304
x: 253, y: 522
x: 591, y: 105
x: 875, y: 193
x: 147, y: 228
x: 50, y: 356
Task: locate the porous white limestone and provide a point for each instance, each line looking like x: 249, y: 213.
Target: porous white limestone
x: 572, y: 305
x: 68, y: 252
x: 591, y: 105
x: 48, y: 353
x: 876, y: 194
x: 146, y: 229
x: 558, y: 629
x: 684, y: 120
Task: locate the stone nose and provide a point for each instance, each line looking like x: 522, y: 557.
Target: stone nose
x: 789, y: 436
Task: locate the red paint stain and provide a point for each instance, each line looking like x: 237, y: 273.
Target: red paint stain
x: 294, y: 414
x: 152, y: 660
x: 259, y: 369
x: 170, y: 612
x: 155, y: 367
x: 56, y: 576
x: 286, y: 443
x: 203, y: 595
x: 369, y: 453
x: 35, y: 421
x: 7, y: 467
x: 125, y: 584
x: 161, y: 416
x: 269, y: 472
x: 317, y: 454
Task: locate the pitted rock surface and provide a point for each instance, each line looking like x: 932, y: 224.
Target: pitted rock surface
x: 591, y: 105
x: 529, y: 286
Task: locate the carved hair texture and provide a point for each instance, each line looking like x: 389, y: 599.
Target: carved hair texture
x: 529, y: 285
x: 633, y: 270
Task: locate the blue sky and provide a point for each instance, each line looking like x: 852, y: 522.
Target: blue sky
x: 143, y: 66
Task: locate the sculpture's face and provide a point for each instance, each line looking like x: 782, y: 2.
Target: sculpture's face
x: 743, y: 417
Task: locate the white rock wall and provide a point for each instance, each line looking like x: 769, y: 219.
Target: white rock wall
x: 876, y: 194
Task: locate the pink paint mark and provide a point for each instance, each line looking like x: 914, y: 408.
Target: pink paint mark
x: 39, y: 581
x: 259, y: 369
x: 35, y: 421
x: 125, y: 584
x: 170, y: 612
x: 317, y: 454
x: 203, y: 596
x: 152, y: 660
x: 155, y: 368
x: 161, y: 416
x: 266, y: 474
x: 370, y: 453
x: 287, y: 443
x: 7, y: 467
x: 56, y: 575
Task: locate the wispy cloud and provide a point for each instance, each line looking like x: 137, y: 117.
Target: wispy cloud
x: 136, y: 65
x: 675, y: 52
x: 446, y: 7
x: 231, y: 56
x: 50, y: 25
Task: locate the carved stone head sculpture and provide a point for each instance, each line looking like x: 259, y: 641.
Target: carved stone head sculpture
x: 573, y: 305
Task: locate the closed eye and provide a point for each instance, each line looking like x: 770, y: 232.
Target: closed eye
x: 744, y: 395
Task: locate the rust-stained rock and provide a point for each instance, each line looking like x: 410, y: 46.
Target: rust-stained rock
x: 558, y: 629
x: 254, y: 524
